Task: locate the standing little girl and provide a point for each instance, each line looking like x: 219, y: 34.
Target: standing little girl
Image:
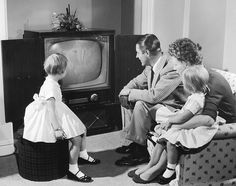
x: 48, y: 119
x: 172, y: 133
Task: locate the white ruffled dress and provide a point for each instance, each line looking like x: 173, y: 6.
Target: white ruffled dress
x: 37, y: 119
x: 187, y: 138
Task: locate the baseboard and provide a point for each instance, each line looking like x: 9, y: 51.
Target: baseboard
x: 7, y: 150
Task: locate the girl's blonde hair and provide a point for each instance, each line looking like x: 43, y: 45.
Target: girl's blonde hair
x: 195, y: 79
x: 55, y: 64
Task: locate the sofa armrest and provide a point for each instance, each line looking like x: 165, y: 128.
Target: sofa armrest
x: 230, y: 77
x: 226, y: 131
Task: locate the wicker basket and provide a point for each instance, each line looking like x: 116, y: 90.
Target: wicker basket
x: 42, y: 161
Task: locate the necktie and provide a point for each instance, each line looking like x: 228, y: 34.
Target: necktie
x: 152, y: 75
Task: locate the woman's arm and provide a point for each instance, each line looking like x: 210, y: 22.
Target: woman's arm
x: 178, y: 119
x: 196, y: 121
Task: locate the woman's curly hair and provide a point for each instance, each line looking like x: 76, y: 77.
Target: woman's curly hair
x: 186, y: 50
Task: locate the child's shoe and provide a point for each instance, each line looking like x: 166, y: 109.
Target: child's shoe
x: 162, y: 180
x: 84, y: 178
x: 89, y: 160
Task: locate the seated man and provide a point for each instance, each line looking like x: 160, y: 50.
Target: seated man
x: 158, y: 82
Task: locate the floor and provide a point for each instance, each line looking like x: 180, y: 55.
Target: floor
x: 105, y: 174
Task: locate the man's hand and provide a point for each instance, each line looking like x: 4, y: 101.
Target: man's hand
x: 125, y: 102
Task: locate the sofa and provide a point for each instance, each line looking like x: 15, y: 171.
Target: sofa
x: 215, y: 165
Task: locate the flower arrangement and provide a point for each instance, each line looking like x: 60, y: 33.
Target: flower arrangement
x: 66, y: 22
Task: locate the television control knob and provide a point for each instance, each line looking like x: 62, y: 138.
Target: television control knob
x: 94, y: 97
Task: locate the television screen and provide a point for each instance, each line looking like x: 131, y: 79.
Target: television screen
x: 88, y: 61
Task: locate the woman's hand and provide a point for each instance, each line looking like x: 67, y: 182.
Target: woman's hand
x: 165, y: 125
x: 59, y: 134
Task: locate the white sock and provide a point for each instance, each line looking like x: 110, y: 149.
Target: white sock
x: 84, y: 154
x: 168, y: 173
x: 73, y: 168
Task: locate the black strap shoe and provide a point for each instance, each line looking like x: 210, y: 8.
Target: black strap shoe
x: 126, y: 149
x: 163, y: 181
x: 84, y: 178
x: 90, y: 160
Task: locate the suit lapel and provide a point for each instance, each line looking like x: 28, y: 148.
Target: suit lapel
x: 157, y: 70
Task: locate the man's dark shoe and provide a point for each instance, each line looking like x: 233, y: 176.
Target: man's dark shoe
x: 126, y: 149
x: 132, y: 160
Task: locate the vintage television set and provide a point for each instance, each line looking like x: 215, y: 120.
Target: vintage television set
x: 88, y: 87
x: 90, y: 67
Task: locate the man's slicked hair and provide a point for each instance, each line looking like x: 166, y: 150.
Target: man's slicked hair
x: 149, y: 42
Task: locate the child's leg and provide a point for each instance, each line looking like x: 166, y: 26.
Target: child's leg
x: 75, y: 149
x: 74, y: 155
x: 84, y: 154
x: 172, y: 158
x: 157, y: 152
x: 156, y: 169
x: 74, y: 173
x: 83, y: 143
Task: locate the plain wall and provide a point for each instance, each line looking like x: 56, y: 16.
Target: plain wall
x: 168, y: 21
x: 207, y: 27
x: 106, y: 14
x: 229, y: 62
x: 131, y: 16
x: 36, y: 15
x: 127, y: 16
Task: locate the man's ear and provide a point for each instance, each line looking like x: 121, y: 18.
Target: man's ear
x: 147, y: 52
x: 187, y: 64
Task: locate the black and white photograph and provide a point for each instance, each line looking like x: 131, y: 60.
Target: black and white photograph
x: 117, y: 92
